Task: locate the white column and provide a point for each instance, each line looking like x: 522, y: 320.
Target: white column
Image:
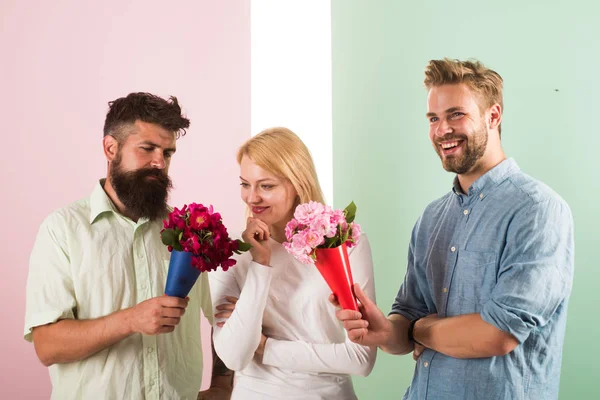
x: 291, y: 75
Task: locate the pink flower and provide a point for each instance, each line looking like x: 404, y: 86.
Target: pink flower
x: 299, y: 247
x: 290, y: 228
x: 306, y: 212
x: 321, y: 224
x: 337, y: 217
x: 299, y: 251
x: 315, y: 224
x: 305, y: 259
x: 299, y: 242
x: 313, y: 239
x: 355, y: 233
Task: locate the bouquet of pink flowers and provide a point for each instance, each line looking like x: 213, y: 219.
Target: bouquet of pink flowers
x: 321, y: 236
x: 318, y: 226
x: 199, y: 230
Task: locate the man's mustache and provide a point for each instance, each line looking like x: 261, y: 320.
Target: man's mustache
x: 148, y: 172
x: 451, y: 136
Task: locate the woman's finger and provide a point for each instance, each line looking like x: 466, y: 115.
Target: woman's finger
x: 251, y: 235
x: 225, y: 307
x: 333, y: 300
x: 255, y: 231
x: 223, y: 314
x: 258, y: 228
x: 266, y: 234
x: 260, y: 233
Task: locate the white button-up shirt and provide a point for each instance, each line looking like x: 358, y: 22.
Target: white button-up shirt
x: 89, y: 261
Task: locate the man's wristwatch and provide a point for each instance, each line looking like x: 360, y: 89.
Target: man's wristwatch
x: 411, y: 328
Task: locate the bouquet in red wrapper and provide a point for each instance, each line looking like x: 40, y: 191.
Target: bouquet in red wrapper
x: 321, y: 235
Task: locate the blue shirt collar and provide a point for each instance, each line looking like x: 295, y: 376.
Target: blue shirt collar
x: 490, y: 179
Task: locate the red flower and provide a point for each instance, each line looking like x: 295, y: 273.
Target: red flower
x: 195, y: 244
x: 199, y: 220
x: 200, y: 231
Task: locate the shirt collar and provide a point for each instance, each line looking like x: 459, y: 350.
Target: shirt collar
x: 490, y: 179
x: 100, y: 202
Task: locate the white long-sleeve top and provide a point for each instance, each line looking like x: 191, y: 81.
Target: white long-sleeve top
x: 307, y: 354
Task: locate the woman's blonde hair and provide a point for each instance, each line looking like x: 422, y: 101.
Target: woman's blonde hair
x: 281, y: 152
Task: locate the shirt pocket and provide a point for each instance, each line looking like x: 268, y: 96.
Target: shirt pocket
x: 474, y: 279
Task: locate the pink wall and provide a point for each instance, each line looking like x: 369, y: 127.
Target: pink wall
x: 61, y: 62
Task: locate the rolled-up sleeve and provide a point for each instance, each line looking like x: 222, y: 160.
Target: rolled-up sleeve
x: 49, y: 294
x: 536, y: 269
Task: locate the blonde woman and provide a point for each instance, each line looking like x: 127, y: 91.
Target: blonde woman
x: 275, y: 326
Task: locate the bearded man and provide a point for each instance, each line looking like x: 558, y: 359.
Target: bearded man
x: 96, y: 310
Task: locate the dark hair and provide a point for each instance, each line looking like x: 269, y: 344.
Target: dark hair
x: 144, y: 107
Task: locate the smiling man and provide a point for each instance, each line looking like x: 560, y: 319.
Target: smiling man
x: 483, y: 304
x: 96, y: 310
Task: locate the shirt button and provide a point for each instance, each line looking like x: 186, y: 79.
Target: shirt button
x: 481, y: 195
x: 140, y: 255
x: 445, y: 290
x: 453, y: 249
x: 151, y: 383
x: 466, y: 212
x: 150, y: 350
x: 426, y: 364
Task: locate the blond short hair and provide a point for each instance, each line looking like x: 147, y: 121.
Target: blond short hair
x: 484, y: 82
x: 281, y: 152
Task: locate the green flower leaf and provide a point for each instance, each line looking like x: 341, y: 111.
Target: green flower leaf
x: 350, y: 212
x: 170, y: 237
x: 330, y: 243
x: 242, y: 247
x: 178, y: 247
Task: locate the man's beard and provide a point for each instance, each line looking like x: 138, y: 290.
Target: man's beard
x: 142, y: 196
x: 473, y: 150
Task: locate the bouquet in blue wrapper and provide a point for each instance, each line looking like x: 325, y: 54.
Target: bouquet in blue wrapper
x: 198, y: 242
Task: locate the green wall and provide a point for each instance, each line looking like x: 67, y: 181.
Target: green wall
x: 549, y: 57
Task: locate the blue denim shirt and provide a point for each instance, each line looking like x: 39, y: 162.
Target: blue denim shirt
x: 505, y: 251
